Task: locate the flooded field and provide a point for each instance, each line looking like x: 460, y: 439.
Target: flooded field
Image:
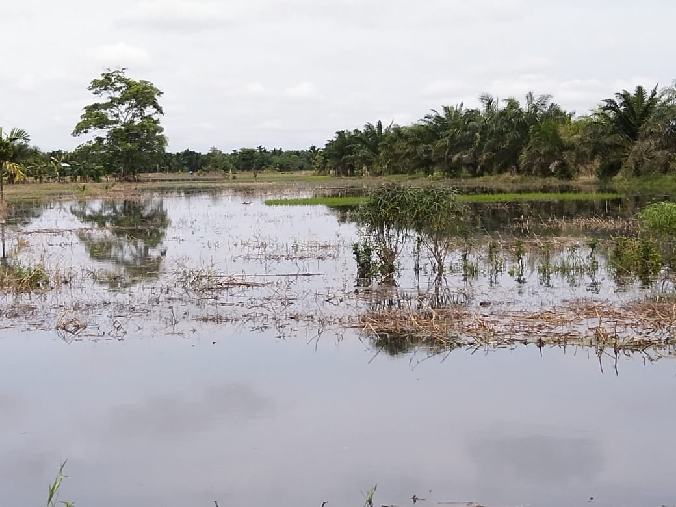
x: 186, y: 349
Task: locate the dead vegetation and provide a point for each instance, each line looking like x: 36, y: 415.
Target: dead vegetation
x: 207, y: 280
x: 637, y: 327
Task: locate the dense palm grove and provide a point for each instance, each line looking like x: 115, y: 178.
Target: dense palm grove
x: 632, y: 134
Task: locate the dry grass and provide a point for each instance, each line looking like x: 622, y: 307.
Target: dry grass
x: 633, y: 328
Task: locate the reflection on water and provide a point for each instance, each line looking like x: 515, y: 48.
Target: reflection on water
x: 249, y: 419
x: 129, y: 235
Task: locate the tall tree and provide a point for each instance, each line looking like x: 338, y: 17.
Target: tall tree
x: 628, y: 112
x: 125, y: 122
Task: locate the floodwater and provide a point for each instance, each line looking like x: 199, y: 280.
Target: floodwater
x: 181, y: 390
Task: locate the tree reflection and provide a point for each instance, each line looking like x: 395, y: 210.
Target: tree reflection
x: 129, y: 235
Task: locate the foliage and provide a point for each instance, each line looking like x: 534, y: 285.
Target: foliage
x: 535, y: 137
x: 392, y: 213
x: 637, y: 256
x: 627, y: 113
x: 125, y: 123
x: 363, y: 255
x: 659, y: 218
x: 11, y: 145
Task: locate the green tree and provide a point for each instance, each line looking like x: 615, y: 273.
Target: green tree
x: 627, y: 113
x: 10, y: 145
x: 654, y: 152
x: 620, y: 121
x: 125, y: 122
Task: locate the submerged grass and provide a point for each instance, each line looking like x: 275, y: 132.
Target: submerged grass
x: 351, y: 201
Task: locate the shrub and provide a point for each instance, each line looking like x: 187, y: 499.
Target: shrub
x: 659, y: 218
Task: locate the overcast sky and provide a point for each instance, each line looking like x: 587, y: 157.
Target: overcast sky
x: 290, y: 73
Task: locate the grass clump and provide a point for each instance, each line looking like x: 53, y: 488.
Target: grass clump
x: 20, y: 278
x: 637, y: 256
x: 659, y: 218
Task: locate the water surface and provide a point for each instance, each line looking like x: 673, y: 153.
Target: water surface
x: 153, y: 405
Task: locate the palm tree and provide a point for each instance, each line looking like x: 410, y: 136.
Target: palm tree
x: 627, y: 113
x: 8, y: 149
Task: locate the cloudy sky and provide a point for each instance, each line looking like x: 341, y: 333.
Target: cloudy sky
x: 288, y: 73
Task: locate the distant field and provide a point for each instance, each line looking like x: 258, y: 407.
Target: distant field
x: 501, y: 188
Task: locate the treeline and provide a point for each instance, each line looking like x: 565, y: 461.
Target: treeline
x: 245, y: 159
x: 85, y: 163
x: 632, y: 133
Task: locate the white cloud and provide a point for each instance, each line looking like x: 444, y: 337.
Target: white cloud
x: 254, y: 88
x: 290, y: 73
x: 269, y: 125
x: 303, y: 90
x: 120, y: 54
x: 446, y: 88
x: 179, y: 15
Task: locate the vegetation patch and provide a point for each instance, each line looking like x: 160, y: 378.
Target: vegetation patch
x: 659, y: 218
x: 19, y: 278
x: 637, y: 256
x: 539, y: 197
x: 352, y: 201
x: 332, y: 202
x: 634, y: 328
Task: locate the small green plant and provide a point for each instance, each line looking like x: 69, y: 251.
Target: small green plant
x: 637, y: 256
x: 659, y: 218
x: 518, y: 271
x: 54, y: 487
x: 363, y: 254
x: 496, y: 263
x: 470, y: 268
x: 545, y: 268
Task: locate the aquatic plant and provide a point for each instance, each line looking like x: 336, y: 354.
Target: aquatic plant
x: 20, y: 278
x: 54, y: 487
x: 518, y: 271
x: 659, y: 218
x: 393, y: 213
x: 470, y: 267
x: 496, y: 263
x: 363, y: 254
x: 636, y: 256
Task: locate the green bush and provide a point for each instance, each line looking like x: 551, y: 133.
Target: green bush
x: 659, y: 218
